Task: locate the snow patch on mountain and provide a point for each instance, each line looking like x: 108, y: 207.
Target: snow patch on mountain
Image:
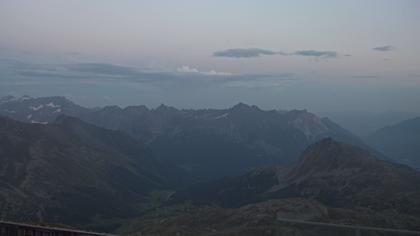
x: 7, y: 99
x: 39, y: 122
x: 225, y: 115
x: 10, y: 111
x: 36, y: 108
x: 309, y: 124
x: 51, y: 104
x: 25, y: 97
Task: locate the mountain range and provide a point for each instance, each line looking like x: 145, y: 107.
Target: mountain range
x: 39, y: 110
x: 208, y: 143
x: 175, y: 171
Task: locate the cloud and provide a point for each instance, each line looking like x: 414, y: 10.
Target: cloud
x: 103, y: 69
x: 260, y: 81
x: 243, y: 52
x: 218, y: 73
x: 187, y: 69
x: 103, y: 74
x: 384, y: 48
x: 258, y: 52
x: 315, y: 53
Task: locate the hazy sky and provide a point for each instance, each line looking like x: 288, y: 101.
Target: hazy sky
x: 320, y: 55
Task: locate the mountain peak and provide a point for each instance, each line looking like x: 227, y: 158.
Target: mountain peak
x: 302, y: 115
x: 329, y: 157
x: 165, y: 108
x: 244, y: 107
x: 112, y: 108
x: 25, y: 97
x: 310, y: 124
x: 7, y: 99
x: 140, y: 108
x: 328, y: 142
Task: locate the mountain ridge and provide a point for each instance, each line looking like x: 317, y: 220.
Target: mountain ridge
x: 73, y: 172
x: 208, y: 143
x: 332, y: 182
x: 337, y: 174
x: 400, y: 142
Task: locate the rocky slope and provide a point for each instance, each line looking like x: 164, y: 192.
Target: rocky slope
x: 75, y: 173
x: 262, y: 219
x: 39, y: 110
x: 335, y: 173
x: 348, y: 180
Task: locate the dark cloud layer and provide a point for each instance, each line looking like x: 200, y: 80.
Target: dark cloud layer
x: 102, y: 68
x: 257, y: 52
x: 243, y: 52
x: 314, y: 53
x: 104, y: 73
x: 384, y: 48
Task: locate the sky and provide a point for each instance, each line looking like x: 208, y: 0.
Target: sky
x: 324, y: 55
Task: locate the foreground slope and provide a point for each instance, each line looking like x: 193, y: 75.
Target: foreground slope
x: 264, y: 218
x: 71, y: 172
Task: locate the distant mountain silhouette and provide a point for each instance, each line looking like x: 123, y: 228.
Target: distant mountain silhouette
x: 38, y: 110
x: 400, y: 142
x: 208, y: 143
x: 212, y: 143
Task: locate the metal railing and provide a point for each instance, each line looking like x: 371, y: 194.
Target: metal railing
x: 356, y: 229
x: 8, y: 228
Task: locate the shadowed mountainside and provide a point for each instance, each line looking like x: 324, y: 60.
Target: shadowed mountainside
x: 332, y: 182
x: 208, y: 143
x: 401, y: 142
x: 72, y: 172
